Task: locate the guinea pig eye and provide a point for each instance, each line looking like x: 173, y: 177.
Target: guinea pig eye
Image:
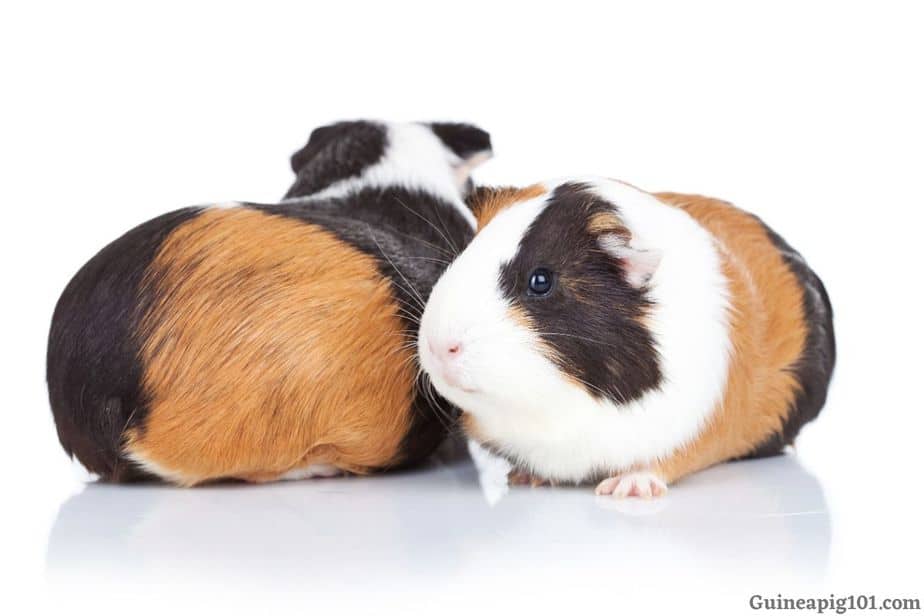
x: 540, y: 281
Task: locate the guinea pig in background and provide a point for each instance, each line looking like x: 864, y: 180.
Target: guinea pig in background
x: 595, y: 332
x: 263, y: 342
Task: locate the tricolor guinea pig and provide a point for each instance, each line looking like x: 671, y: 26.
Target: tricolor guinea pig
x: 592, y: 331
x: 262, y: 342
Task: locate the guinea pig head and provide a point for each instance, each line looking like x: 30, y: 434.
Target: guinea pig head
x: 438, y: 157
x: 545, y: 310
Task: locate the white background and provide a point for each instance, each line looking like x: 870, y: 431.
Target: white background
x: 807, y: 114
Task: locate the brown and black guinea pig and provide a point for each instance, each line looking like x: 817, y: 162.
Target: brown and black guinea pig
x: 592, y: 331
x: 265, y: 342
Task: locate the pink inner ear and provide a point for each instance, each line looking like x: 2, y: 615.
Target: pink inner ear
x: 640, y: 263
x: 641, y: 266
x: 463, y: 170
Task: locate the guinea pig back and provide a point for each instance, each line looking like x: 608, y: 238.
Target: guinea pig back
x: 262, y: 342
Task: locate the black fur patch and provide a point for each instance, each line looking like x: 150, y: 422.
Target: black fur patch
x: 94, y: 369
x: 336, y: 152
x: 592, y: 318
x: 464, y: 140
x: 413, y: 236
x: 815, y: 367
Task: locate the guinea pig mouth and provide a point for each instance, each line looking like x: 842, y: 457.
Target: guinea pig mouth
x: 442, y: 374
x: 446, y: 382
x: 452, y: 382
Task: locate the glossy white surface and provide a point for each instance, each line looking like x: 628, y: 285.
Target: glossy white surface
x: 429, y: 526
x: 437, y: 530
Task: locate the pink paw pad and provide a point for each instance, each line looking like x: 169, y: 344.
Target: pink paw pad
x: 641, y: 484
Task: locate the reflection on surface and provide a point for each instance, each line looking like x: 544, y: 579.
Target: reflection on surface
x: 434, y: 526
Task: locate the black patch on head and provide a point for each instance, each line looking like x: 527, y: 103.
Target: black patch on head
x: 336, y: 152
x: 814, y: 368
x: 413, y: 235
x: 465, y: 140
x: 592, y: 318
x: 94, y: 366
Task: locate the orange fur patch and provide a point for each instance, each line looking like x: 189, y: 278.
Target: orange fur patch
x: 767, y: 331
x: 272, y: 345
x: 487, y: 202
x: 607, y: 223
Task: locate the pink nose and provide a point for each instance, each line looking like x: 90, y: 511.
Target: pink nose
x: 446, y: 351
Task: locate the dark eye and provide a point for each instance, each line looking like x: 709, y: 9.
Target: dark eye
x: 540, y: 281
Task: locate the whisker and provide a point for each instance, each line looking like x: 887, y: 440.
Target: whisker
x: 400, y: 273
x: 408, y: 306
x: 414, y: 318
x: 492, y: 333
x: 448, y: 419
x: 435, y: 260
x: 591, y: 386
x: 439, y: 413
x: 436, y: 211
x: 410, y: 294
x: 429, y: 222
x: 451, y: 417
x: 441, y: 249
x: 594, y: 340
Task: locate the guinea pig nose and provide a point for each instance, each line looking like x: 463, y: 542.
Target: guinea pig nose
x: 446, y: 350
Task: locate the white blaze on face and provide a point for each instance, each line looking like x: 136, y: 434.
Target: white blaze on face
x: 478, y: 354
x: 466, y: 319
x: 481, y: 357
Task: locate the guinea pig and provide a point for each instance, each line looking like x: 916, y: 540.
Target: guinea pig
x: 592, y: 331
x: 264, y: 342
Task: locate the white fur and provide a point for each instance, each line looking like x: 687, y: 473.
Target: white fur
x: 306, y: 472
x: 492, y: 472
x: 414, y: 158
x: 156, y: 469
x: 524, y: 405
x: 312, y: 470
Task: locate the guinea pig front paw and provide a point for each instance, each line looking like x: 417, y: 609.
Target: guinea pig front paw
x: 643, y: 484
x: 518, y: 477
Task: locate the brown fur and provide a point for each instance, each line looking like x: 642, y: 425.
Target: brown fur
x: 605, y: 223
x: 487, y: 202
x: 272, y: 345
x: 767, y: 331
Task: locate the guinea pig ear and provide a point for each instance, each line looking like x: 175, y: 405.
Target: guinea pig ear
x: 336, y: 152
x: 316, y: 141
x: 345, y: 144
x: 639, y: 262
x: 471, y: 144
